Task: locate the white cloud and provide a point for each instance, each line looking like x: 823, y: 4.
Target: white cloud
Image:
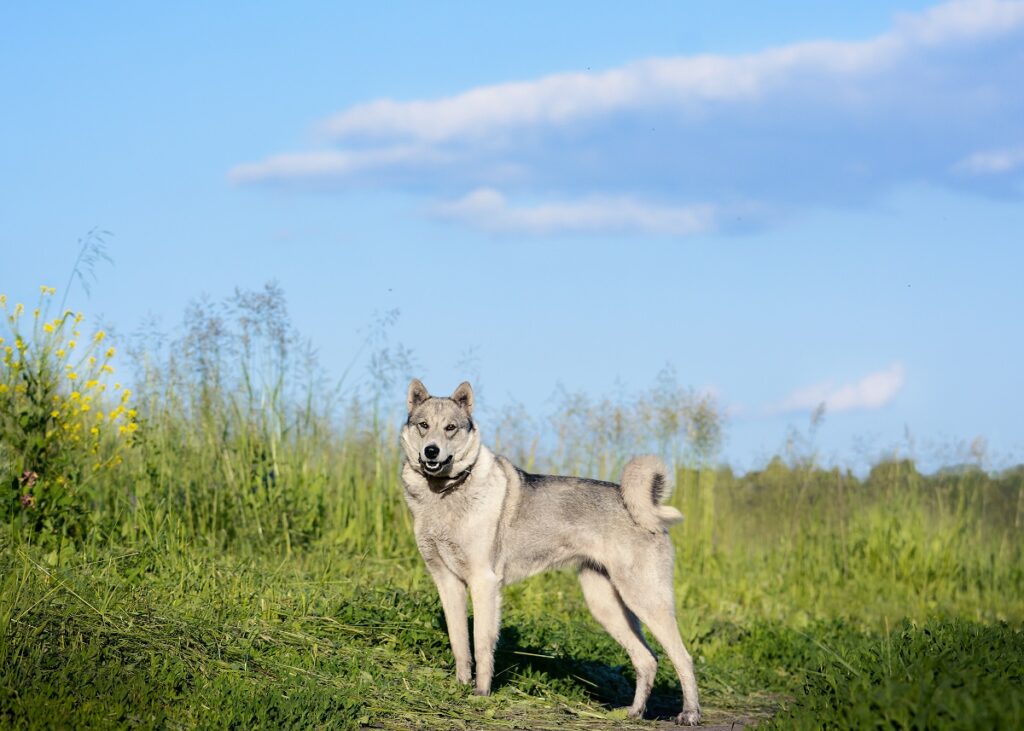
x: 489, y: 209
x: 330, y: 164
x: 669, y: 145
x: 873, y: 391
x: 566, y: 98
x: 959, y: 21
x: 992, y: 162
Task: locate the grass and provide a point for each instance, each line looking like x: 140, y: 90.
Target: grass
x: 250, y: 564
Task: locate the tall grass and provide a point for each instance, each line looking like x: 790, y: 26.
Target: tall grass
x: 254, y: 532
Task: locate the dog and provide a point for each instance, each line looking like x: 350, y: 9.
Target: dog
x: 481, y: 523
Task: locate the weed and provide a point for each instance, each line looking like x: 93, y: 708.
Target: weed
x: 250, y: 561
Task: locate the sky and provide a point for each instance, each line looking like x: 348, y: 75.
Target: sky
x: 789, y: 204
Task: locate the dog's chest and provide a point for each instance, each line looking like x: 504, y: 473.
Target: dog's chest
x: 459, y: 530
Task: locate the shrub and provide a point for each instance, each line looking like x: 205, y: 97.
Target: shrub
x: 61, y: 423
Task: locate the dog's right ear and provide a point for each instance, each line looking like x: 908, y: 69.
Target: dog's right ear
x: 417, y: 394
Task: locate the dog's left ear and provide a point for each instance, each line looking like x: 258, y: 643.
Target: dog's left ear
x: 463, y: 396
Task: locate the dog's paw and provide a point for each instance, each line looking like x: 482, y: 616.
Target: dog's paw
x: 481, y: 691
x: 688, y: 718
x: 635, y: 712
x: 464, y: 676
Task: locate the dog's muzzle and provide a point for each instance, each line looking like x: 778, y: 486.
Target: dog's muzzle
x: 435, y: 468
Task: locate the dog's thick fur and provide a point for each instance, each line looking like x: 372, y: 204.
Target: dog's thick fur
x: 483, y: 523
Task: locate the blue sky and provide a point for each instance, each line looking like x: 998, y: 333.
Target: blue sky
x: 789, y: 203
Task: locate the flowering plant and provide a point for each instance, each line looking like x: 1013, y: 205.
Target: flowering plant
x: 61, y: 423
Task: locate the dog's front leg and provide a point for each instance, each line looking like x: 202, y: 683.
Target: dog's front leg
x: 453, y: 599
x: 486, y: 589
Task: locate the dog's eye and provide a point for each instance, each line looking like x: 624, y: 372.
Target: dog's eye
x: 424, y: 425
x: 450, y: 427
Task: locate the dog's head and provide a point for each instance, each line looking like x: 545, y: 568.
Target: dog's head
x: 439, y: 437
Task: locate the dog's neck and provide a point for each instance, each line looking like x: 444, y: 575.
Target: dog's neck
x: 444, y: 485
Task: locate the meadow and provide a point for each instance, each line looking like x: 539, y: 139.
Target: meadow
x: 226, y: 545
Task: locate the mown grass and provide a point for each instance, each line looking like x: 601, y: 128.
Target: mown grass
x: 250, y: 564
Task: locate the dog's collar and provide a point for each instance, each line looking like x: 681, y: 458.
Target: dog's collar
x: 451, y: 482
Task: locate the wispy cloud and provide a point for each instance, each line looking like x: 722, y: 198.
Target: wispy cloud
x: 489, y: 209
x: 683, y: 83
x: 992, y: 162
x: 785, y: 128
x: 873, y: 391
x: 327, y: 165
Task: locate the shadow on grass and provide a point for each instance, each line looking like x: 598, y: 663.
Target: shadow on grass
x: 611, y: 686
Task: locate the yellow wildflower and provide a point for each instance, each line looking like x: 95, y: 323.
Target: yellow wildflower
x: 106, y: 369
x: 92, y: 383
x: 92, y: 360
x: 71, y: 344
x: 75, y: 395
x: 98, y: 337
x: 78, y: 318
x: 48, y: 328
x: 94, y: 431
x: 18, y: 309
x: 132, y: 413
x: 126, y: 395
x: 72, y: 376
x: 3, y: 388
x: 86, y: 407
x: 60, y: 353
x: 54, y: 414
x: 3, y: 301
x: 35, y: 313
x: 110, y: 353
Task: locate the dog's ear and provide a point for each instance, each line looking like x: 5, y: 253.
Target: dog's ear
x: 417, y: 394
x: 463, y: 396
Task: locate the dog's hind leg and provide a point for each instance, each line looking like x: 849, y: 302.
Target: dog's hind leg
x: 649, y: 595
x: 608, y: 609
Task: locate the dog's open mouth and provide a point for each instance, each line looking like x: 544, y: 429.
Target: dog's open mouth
x: 434, y: 468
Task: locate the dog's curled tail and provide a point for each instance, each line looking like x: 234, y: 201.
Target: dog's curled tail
x: 645, y: 488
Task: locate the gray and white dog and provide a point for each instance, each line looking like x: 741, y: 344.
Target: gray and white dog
x: 483, y: 523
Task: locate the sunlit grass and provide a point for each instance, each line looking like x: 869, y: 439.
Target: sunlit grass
x: 250, y: 563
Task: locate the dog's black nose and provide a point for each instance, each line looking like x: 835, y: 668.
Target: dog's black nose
x: 431, y: 451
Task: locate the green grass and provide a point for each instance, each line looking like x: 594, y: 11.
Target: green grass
x: 156, y: 625
x: 251, y: 565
